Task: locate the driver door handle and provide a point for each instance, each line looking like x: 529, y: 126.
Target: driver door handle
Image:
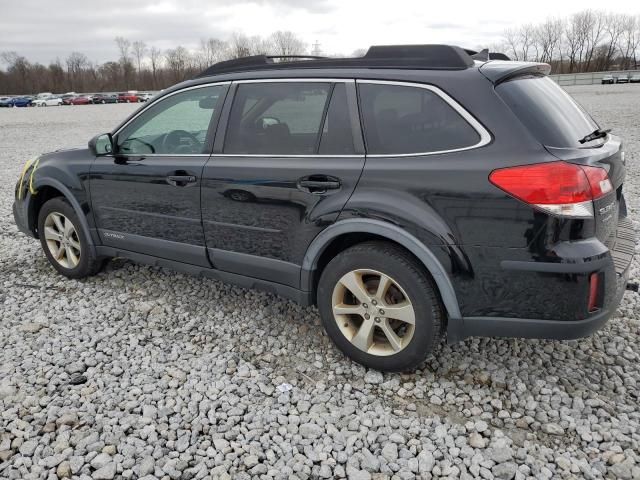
x: 181, y: 180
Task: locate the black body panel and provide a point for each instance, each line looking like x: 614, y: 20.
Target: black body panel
x: 502, y: 267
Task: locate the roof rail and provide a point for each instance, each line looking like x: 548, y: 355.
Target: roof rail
x: 430, y: 57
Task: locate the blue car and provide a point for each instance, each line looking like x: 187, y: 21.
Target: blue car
x: 19, y: 102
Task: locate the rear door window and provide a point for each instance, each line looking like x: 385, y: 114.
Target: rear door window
x: 400, y: 119
x: 276, y: 118
x: 549, y: 113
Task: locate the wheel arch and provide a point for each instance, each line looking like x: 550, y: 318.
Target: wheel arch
x: 368, y: 229
x: 48, y: 188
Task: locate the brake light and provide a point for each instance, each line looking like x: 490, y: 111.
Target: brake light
x: 560, y: 188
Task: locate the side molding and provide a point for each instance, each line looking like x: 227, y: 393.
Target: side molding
x: 394, y: 233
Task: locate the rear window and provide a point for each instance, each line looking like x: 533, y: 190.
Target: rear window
x: 551, y: 115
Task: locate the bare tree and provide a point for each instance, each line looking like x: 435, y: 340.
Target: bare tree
x: 139, y: 52
x: 287, y: 43
x: 124, y: 48
x: 76, y: 62
x: 178, y: 60
x: 512, y: 41
x: 239, y: 46
x: 155, y: 56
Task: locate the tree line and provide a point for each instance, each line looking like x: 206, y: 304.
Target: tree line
x: 587, y: 41
x: 139, y: 66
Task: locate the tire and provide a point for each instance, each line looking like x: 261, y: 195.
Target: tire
x: 369, y: 261
x: 87, y: 263
x: 128, y: 101
x: 103, y: 102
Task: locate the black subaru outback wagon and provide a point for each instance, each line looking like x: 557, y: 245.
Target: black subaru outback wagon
x: 409, y: 193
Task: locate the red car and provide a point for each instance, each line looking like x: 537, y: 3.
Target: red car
x: 80, y: 101
x: 129, y: 97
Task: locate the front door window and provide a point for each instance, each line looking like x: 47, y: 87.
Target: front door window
x: 176, y: 125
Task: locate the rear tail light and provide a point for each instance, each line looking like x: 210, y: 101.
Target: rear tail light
x: 560, y: 188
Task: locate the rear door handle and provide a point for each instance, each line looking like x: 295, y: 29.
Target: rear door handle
x: 181, y: 180
x: 318, y: 184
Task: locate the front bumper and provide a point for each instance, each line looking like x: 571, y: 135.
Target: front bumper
x: 21, y: 216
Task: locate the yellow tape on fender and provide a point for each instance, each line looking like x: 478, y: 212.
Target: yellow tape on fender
x: 33, y: 171
x: 27, y: 165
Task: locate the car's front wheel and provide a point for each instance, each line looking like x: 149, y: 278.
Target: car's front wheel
x: 380, y: 307
x: 64, y: 242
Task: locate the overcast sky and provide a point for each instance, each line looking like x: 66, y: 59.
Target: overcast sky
x: 43, y: 30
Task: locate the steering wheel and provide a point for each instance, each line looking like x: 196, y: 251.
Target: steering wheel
x: 173, y: 142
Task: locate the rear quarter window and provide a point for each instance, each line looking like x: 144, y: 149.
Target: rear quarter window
x: 548, y: 112
x: 402, y: 119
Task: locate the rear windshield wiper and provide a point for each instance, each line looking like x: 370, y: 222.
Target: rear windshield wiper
x: 598, y: 133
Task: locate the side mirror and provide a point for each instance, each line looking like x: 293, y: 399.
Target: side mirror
x: 101, y: 145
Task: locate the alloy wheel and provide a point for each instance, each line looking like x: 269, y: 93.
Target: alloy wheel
x: 62, y: 240
x: 373, y: 312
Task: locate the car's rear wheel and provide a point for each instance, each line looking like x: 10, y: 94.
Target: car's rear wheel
x: 380, y: 307
x: 64, y: 242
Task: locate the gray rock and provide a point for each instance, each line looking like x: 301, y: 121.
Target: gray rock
x: 553, y: 429
x: 28, y: 448
x: 100, y: 460
x: 310, y: 430
x: 390, y: 452
x: 105, y: 473
x: 426, y: 461
x: 147, y: 466
x: 505, y: 471
x: 373, y: 377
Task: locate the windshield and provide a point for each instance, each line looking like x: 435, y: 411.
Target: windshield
x: 551, y: 115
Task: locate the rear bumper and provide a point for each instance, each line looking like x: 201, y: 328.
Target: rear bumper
x: 613, y: 263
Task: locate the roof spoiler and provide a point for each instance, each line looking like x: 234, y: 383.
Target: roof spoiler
x: 499, y: 71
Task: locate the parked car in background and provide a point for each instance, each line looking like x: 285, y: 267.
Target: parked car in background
x: 47, y: 101
x: 608, y: 79
x: 624, y: 78
x: 20, y: 102
x: 635, y: 78
x: 145, y: 96
x: 80, y: 100
x: 67, y: 97
x: 105, y: 98
x: 129, y: 97
x: 4, y: 101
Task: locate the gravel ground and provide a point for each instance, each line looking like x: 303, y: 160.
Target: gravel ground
x: 182, y: 377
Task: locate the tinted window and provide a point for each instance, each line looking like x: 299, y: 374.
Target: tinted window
x: 547, y: 111
x: 176, y: 125
x: 337, y: 135
x: 402, y: 119
x: 276, y: 118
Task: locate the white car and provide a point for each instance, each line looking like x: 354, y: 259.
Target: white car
x: 47, y: 101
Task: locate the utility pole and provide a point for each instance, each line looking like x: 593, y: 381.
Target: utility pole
x: 316, y: 49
